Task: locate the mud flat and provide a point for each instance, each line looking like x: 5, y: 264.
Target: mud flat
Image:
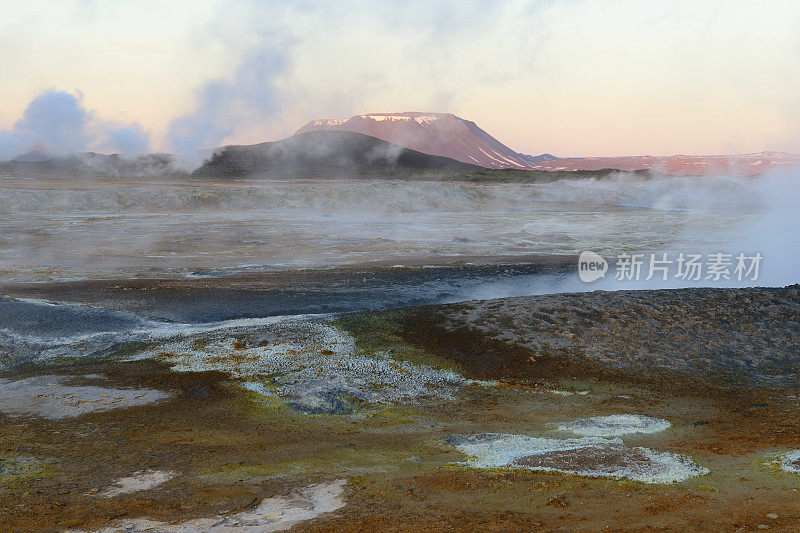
x: 58, y: 397
x: 615, y: 425
x: 278, y: 513
x: 144, y: 480
x: 640, y: 411
x: 593, y: 457
x: 311, y: 364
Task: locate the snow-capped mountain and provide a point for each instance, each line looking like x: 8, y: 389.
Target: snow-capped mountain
x: 448, y: 135
x: 442, y: 134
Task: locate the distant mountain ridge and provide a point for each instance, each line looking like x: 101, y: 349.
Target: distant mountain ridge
x: 322, y: 154
x: 92, y: 164
x: 733, y: 165
x: 448, y: 135
x: 385, y: 142
x: 442, y: 134
x: 312, y: 154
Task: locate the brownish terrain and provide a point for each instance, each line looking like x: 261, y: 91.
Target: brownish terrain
x: 719, y: 365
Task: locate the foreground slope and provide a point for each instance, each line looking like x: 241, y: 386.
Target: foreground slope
x: 699, y: 339
x: 237, y: 440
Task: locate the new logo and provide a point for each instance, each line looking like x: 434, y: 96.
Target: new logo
x: 591, y: 267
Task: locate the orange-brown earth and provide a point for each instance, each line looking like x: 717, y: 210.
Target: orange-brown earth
x: 230, y: 447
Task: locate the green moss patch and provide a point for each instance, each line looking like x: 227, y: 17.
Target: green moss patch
x: 382, y: 332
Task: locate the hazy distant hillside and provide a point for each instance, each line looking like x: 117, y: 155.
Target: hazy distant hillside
x: 696, y: 165
x: 326, y: 152
x: 92, y: 164
x: 321, y: 154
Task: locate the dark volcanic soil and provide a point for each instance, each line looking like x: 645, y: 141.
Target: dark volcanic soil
x: 212, y: 296
x: 712, y: 338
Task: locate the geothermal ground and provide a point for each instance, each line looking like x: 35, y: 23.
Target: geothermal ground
x: 574, y: 412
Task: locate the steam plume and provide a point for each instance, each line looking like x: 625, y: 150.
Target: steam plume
x: 58, y: 123
x: 223, y: 105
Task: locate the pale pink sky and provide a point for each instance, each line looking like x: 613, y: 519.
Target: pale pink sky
x: 571, y: 77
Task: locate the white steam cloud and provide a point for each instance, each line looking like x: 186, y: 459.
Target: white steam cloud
x: 231, y: 225
x: 56, y: 122
x: 775, y: 234
x: 224, y: 105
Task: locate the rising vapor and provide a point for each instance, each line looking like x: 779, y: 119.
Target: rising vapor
x: 58, y: 123
x: 250, y: 96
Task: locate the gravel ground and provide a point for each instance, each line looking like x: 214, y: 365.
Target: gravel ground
x: 718, y: 337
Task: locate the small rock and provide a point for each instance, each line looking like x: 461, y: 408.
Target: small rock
x: 772, y: 516
x: 557, y: 501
